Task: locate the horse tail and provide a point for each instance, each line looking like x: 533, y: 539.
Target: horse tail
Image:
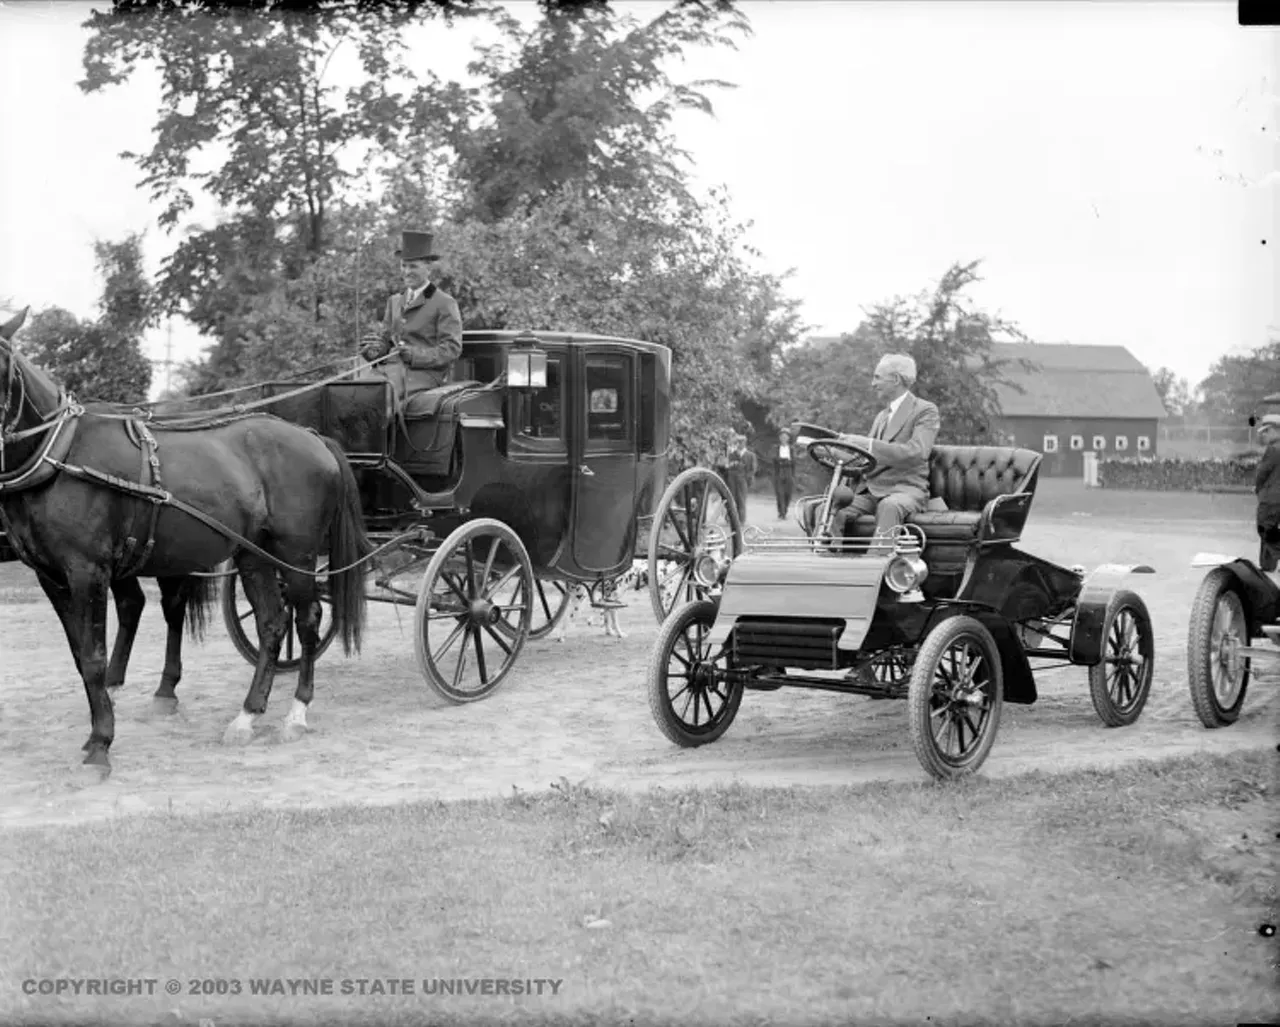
x: 348, y: 543
x: 201, y: 595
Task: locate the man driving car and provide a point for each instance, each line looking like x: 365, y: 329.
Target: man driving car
x: 901, y: 441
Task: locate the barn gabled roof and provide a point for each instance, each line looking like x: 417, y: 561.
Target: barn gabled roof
x: 1077, y: 381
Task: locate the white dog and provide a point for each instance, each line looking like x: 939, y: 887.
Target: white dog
x: 635, y: 579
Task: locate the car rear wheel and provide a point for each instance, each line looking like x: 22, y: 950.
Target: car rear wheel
x: 690, y: 696
x: 955, y: 697
x: 1120, y: 684
x: 1217, y: 675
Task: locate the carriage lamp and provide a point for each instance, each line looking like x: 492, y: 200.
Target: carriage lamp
x: 526, y: 363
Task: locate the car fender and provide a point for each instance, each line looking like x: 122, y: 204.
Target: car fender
x: 802, y: 584
x: 1089, y: 622
x: 1260, y: 594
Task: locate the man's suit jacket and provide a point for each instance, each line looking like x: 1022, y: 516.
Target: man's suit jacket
x: 1267, y: 486
x: 902, y: 454
x: 431, y: 329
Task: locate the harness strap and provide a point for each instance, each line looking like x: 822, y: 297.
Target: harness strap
x: 128, y: 567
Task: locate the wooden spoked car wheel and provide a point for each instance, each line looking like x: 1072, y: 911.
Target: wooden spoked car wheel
x: 696, y: 528
x: 237, y: 614
x: 1120, y: 684
x: 1217, y: 674
x: 955, y: 698
x: 690, y: 696
x: 474, y: 610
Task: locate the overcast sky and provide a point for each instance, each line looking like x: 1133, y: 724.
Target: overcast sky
x: 1115, y: 165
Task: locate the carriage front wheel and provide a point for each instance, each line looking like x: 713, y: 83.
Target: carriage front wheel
x: 696, y: 519
x: 1217, y: 673
x: 474, y: 610
x: 237, y: 612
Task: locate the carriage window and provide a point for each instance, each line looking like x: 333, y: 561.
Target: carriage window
x: 609, y: 398
x: 544, y: 409
x: 648, y: 403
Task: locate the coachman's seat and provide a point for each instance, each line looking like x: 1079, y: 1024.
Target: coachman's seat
x: 977, y: 494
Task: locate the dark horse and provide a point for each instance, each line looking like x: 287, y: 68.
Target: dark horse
x: 93, y: 499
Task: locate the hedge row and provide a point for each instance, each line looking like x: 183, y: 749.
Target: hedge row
x: 1172, y: 474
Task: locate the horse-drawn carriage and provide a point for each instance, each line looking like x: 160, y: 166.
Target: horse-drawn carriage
x: 541, y: 464
x: 538, y: 468
x: 950, y: 614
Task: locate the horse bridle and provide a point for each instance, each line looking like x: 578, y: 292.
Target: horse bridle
x: 13, y: 375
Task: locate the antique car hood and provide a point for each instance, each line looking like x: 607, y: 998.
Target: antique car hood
x: 802, y: 584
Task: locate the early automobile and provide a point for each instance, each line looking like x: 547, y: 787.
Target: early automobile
x: 542, y: 463
x: 951, y: 615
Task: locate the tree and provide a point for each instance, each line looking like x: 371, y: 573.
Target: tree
x: 1174, y: 392
x: 245, y: 92
x: 950, y: 341
x: 103, y: 358
x: 1235, y: 385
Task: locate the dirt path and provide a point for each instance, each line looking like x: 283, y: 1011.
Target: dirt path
x: 576, y: 710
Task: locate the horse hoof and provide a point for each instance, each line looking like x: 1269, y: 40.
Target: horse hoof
x: 165, y: 705
x: 96, y: 756
x: 292, y: 732
x: 237, y: 734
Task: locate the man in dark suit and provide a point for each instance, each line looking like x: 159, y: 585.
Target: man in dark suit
x: 422, y: 322
x: 901, y: 440
x: 784, y: 473
x: 1267, y: 487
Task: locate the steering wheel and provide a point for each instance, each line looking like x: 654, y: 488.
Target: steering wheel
x: 828, y: 453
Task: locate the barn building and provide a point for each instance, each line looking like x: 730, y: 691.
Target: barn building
x: 1081, y: 399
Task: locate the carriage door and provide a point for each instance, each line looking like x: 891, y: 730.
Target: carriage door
x: 604, y: 453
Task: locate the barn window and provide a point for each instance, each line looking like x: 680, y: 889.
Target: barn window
x: 1122, y: 442
x: 1077, y: 442
x: 1051, y: 443
x: 1144, y: 443
x: 1099, y: 442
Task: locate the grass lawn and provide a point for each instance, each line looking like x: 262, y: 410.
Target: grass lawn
x: 1129, y: 896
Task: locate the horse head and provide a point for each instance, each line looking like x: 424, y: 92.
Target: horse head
x: 27, y: 394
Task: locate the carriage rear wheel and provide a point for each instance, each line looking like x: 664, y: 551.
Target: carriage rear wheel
x: 1120, y: 684
x: 1217, y: 674
x: 696, y: 518
x: 690, y: 696
x: 474, y: 610
x: 955, y: 698
x: 237, y: 612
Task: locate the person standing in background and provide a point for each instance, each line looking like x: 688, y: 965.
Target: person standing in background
x: 784, y: 475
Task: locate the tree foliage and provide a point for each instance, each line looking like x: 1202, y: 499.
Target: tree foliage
x: 1236, y: 385
x: 1174, y: 392
x: 950, y: 339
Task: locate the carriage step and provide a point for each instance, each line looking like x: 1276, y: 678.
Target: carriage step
x: 1272, y: 631
x: 607, y: 604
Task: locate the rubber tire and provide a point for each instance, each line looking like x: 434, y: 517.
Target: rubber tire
x: 1108, y: 712
x: 920, y: 691
x: 671, y: 725
x: 1217, y: 584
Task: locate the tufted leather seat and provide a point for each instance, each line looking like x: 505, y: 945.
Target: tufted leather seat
x: 966, y: 479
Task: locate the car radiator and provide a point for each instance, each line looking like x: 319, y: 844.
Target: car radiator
x: 783, y: 642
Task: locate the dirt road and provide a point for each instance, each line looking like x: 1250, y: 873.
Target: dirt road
x: 576, y: 710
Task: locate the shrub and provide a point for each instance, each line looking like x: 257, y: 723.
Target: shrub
x: 1173, y: 474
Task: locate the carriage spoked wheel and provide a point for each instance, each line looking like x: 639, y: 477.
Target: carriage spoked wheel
x: 474, y: 610
x: 695, y: 527
x: 690, y: 694
x: 954, y: 698
x: 549, y: 604
x: 1217, y: 674
x: 237, y: 614
x: 1120, y: 684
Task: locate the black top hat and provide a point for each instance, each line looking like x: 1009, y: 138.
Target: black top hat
x: 417, y: 246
